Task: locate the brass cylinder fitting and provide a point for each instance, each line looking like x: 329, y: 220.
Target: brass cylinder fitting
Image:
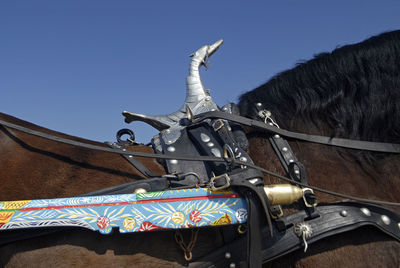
x: 283, y: 194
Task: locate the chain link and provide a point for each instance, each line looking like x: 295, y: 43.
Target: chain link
x: 187, y: 249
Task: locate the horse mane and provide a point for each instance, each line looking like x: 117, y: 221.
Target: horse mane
x: 352, y: 92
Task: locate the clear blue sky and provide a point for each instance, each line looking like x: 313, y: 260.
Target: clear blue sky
x: 74, y: 66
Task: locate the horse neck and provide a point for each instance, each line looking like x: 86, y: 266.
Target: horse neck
x: 333, y: 169
x: 33, y: 167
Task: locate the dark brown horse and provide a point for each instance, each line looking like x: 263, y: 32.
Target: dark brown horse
x: 353, y: 92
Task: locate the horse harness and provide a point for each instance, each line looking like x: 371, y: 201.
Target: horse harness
x: 269, y: 234
x: 201, y: 145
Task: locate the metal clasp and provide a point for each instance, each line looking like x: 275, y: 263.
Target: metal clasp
x: 305, y: 199
x: 226, y: 184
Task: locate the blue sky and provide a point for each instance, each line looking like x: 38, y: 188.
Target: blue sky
x: 74, y: 66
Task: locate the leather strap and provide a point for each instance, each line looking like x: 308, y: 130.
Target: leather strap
x: 254, y: 236
x: 333, y: 220
x: 134, y: 162
x: 183, y: 157
x: 105, y: 149
x: 346, y: 143
x: 150, y: 185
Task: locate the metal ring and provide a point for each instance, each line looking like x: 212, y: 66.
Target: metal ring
x: 128, y: 141
x: 188, y: 258
x: 242, y: 228
x: 305, y: 199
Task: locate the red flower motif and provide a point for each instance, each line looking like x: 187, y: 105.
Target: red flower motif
x: 195, y: 216
x: 148, y: 226
x: 103, y: 222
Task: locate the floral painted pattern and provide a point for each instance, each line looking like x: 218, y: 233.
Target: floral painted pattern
x: 128, y: 213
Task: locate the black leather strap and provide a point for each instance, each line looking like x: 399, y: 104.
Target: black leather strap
x: 334, y: 219
x: 105, y: 149
x: 254, y: 237
x: 229, y: 254
x: 251, y: 179
x: 347, y: 143
x: 134, y: 162
x: 185, y: 146
x: 283, y: 151
x: 150, y: 185
x: 205, y: 140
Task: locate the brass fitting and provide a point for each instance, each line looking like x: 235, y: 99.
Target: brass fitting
x: 284, y: 194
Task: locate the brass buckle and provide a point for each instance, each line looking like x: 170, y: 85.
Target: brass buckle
x: 226, y: 185
x: 218, y: 124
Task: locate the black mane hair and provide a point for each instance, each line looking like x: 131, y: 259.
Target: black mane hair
x: 352, y: 92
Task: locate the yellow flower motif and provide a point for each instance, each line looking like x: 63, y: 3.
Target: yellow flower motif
x: 178, y: 217
x: 129, y: 223
x: 223, y: 220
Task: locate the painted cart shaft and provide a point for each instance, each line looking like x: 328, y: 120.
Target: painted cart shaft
x: 128, y: 212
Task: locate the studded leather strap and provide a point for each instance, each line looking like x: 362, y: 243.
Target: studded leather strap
x: 334, y: 219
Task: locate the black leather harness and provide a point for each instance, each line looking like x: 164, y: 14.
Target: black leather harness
x: 208, y: 136
x: 204, y: 142
x: 334, y: 218
x: 322, y: 221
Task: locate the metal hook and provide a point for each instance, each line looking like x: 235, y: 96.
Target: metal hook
x: 229, y: 156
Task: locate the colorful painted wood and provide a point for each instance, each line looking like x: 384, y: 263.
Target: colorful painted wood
x: 129, y: 212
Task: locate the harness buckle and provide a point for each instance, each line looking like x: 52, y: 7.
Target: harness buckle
x: 222, y: 181
x: 276, y: 212
x: 218, y: 124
